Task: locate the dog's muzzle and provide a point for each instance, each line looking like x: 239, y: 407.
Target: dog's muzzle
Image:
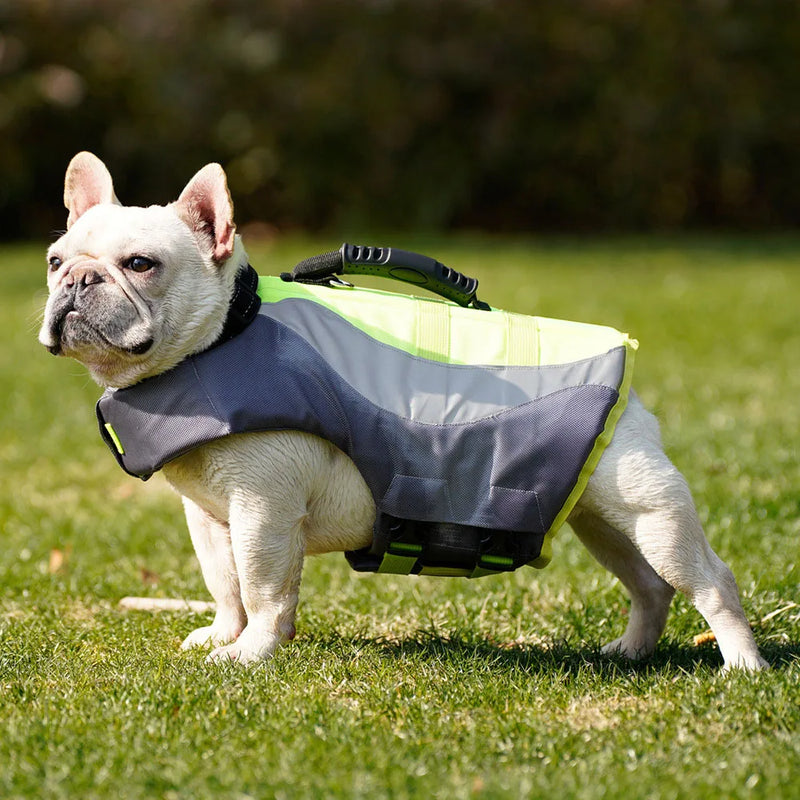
x: 81, y: 329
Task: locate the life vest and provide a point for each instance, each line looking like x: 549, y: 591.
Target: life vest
x: 475, y: 431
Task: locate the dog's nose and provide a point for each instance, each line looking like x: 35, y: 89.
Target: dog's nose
x: 83, y: 275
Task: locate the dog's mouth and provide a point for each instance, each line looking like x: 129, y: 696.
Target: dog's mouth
x: 72, y: 332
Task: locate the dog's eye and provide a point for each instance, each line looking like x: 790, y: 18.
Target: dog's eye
x: 139, y: 264
x: 55, y: 262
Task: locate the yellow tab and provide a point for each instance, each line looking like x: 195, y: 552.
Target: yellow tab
x: 114, y: 438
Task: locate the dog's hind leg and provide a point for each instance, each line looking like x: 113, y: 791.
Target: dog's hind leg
x: 650, y: 595
x: 640, y: 496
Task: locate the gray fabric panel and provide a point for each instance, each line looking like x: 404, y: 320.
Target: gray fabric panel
x: 511, y: 470
x: 159, y: 418
x: 443, y: 393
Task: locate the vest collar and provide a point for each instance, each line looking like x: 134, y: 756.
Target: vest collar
x: 243, y: 307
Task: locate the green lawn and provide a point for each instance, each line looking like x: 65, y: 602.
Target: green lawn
x: 417, y: 687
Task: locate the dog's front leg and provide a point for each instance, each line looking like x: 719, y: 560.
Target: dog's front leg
x: 212, y: 544
x: 268, y: 548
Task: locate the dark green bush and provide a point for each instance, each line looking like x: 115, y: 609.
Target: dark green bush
x: 512, y: 115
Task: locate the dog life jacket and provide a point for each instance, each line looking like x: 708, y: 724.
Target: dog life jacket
x: 475, y: 431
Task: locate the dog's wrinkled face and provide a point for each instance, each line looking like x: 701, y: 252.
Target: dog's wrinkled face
x: 135, y: 290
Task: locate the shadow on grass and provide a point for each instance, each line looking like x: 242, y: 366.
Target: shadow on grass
x: 562, y: 657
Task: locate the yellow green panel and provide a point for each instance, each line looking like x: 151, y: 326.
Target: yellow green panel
x: 443, y: 331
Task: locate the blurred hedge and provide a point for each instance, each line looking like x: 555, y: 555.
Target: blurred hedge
x: 509, y: 114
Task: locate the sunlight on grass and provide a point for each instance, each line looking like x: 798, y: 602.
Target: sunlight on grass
x: 398, y: 687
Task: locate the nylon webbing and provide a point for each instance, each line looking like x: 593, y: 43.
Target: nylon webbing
x: 397, y: 565
x: 522, y: 341
x: 432, y: 329
x: 392, y: 564
x: 400, y: 563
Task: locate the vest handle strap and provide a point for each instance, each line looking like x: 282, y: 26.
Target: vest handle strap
x: 389, y: 262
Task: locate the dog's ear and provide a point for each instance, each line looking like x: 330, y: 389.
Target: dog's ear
x: 86, y: 184
x: 206, y: 207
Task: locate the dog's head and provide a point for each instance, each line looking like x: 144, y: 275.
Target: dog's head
x: 133, y: 291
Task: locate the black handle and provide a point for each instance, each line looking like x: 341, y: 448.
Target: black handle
x: 389, y: 262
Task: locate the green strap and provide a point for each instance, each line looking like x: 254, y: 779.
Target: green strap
x: 397, y: 565
x: 400, y: 558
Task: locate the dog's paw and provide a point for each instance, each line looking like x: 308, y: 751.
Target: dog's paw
x: 239, y: 654
x: 634, y: 650
x: 247, y: 649
x: 752, y: 663
x: 211, y: 636
x: 232, y: 653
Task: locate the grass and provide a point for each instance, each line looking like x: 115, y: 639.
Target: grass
x: 402, y: 687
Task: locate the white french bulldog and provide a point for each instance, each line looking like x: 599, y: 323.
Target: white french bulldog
x: 133, y: 291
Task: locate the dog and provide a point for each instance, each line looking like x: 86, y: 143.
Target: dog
x: 134, y: 291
